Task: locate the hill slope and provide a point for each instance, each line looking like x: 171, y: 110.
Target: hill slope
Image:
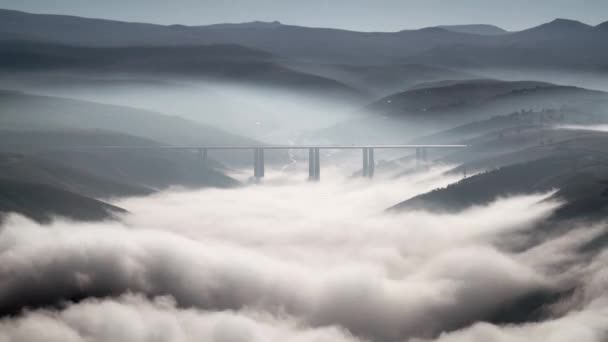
x: 438, y: 106
x: 42, y: 202
x: 68, y: 159
x: 216, y: 62
x: 24, y: 111
x: 581, y: 186
x: 475, y: 98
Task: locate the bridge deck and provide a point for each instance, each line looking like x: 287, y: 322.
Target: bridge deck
x: 272, y: 147
x: 313, y: 159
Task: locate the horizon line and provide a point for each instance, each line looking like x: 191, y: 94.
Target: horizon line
x: 279, y: 22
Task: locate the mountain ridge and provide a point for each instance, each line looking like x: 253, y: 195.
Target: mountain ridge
x: 480, y: 29
x: 285, y: 41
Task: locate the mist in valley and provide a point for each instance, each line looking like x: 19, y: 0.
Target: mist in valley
x: 291, y: 259
x: 266, y: 113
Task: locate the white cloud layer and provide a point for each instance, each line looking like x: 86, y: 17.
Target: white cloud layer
x: 596, y: 128
x: 295, y: 261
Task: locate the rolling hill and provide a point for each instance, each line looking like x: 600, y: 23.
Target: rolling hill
x: 60, y: 173
x: 382, y: 79
x: 68, y: 159
x: 42, y: 202
x: 35, y: 170
x: 579, y: 179
x: 434, y: 107
x: 25, y: 111
x: 479, y: 98
x: 210, y: 62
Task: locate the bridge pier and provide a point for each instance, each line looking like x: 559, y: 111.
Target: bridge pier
x: 317, y: 175
x: 202, y: 157
x: 365, y: 162
x: 369, y: 165
x: 258, y: 163
x: 421, y: 156
x: 311, y: 164
x: 314, y: 165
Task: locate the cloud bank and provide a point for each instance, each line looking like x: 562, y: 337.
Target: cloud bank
x: 290, y: 260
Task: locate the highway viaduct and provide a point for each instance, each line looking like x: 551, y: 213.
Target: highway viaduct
x: 314, y: 160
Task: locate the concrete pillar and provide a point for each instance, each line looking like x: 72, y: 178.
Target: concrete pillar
x: 317, y: 174
x: 262, y: 167
x: 202, y: 157
x: 365, y: 162
x: 371, y: 163
x: 311, y: 164
x: 258, y: 163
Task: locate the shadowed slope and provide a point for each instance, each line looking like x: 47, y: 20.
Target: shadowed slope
x: 42, y: 202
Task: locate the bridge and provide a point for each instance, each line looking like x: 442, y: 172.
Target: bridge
x: 314, y: 160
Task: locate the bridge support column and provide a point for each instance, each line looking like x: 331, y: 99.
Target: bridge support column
x: 365, y: 162
x: 371, y: 167
x: 311, y: 164
x: 202, y: 157
x: 421, y: 156
x: 317, y: 169
x: 258, y: 163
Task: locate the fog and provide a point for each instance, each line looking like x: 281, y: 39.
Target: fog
x: 267, y: 113
x: 596, y: 128
x: 293, y: 260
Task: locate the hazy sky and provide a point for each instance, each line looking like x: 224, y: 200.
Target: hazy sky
x: 367, y: 15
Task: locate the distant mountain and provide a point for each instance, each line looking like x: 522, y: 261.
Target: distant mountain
x: 382, y: 79
x: 557, y: 27
x: 251, y: 25
x: 86, y: 31
x: 502, y: 127
x: 286, y: 41
x: 565, y: 45
x: 480, y: 29
x: 437, y: 46
x: 435, y: 107
x: 468, y: 99
x: 42, y: 202
x: 30, y: 112
x: 216, y: 62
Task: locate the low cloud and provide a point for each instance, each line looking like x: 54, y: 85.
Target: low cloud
x: 285, y: 260
x: 596, y: 128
